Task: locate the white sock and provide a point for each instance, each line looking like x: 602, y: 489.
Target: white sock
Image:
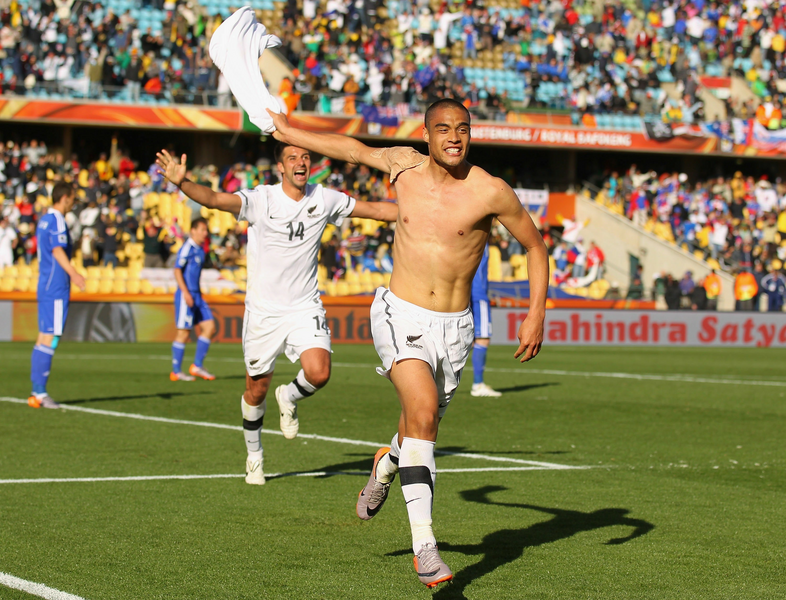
x: 299, y: 388
x: 387, y: 467
x: 252, y: 427
x: 417, y: 471
x: 235, y: 49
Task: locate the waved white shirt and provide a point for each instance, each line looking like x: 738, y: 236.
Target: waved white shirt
x: 284, y: 237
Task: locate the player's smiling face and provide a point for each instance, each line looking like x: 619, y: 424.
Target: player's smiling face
x: 448, y: 135
x: 295, y: 166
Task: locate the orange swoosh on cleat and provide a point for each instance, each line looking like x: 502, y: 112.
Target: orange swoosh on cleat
x: 34, y: 402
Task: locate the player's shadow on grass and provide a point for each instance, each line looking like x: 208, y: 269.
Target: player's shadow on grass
x: 507, y: 545
x: 363, y: 465
x: 162, y: 396
x: 525, y: 388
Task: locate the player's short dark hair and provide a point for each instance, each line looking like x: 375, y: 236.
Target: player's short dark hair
x: 444, y: 103
x: 197, y: 222
x: 62, y: 189
x: 278, y: 152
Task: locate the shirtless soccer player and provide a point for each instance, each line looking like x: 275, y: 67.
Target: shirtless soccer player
x: 284, y: 312
x: 422, y: 325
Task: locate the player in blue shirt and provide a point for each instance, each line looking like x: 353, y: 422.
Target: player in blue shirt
x: 55, y: 273
x: 481, y: 312
x: 190, y: 308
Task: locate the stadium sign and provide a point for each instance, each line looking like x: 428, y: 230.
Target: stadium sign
x: 647, y: 328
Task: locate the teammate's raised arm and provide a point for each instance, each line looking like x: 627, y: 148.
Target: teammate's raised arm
x: 340, y: 147
x: 517, y: 221
x: 381, y: 211
x: 175, y: 171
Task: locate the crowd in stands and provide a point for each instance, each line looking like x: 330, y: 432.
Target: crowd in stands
x: 496, y: 55
x: 737, y: 224
x: 127, y: 214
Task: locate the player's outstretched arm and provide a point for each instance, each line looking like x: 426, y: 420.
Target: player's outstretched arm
x: 175, y: 171
x: 517, y: 221
x: 380, y: 211
x: 340, y: 147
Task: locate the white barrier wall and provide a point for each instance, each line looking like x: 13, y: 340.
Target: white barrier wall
x: 647, y: 328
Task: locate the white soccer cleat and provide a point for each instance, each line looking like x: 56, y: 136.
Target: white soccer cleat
x: 42, y: 401
x: 254, y: 473
x: 180, y: 377
x: 483, y: 390
x: 288, y: 421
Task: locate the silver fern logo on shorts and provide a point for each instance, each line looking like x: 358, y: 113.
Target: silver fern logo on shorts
x: 411, y: 339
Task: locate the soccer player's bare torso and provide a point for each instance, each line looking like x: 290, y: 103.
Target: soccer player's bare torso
x: 441, y: 233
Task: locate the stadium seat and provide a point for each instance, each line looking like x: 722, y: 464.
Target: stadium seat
x: 91, y: 286
x: 121, y: 274
x: 495, y: 264
x: 94, y: 273
x: 105, y: 286
x: 342, y: 288
x: 12, y: 271
x: 133, y: 286
x: 7, y: 284
x: 330, y: 288
x: 214, y: 291
x: 25, y: 271
x: 159, y: 290
x: 119, y: 287
x: 145, y: 287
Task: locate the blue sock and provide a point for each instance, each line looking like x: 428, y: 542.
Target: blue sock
x: 178, y: 350
x: 40, y: 364
x: 203, y: 345
x: 478, y: 362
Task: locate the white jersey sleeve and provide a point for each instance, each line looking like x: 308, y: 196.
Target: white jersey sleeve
x: 253, y: 205
x: 339, y: 206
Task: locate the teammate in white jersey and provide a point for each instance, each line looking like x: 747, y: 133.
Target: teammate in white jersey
x: 284, y: 312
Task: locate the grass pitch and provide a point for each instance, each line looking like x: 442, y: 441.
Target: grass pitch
x: 684, y: 497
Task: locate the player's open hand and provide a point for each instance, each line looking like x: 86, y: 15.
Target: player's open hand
x: 530, y: 338
x: 79, y: 281
x: 281, y: 123
x: 172, y: 168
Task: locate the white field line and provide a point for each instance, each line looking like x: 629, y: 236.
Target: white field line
x: 684, y: 378
x: 267, y: 475
x: 309, y: 436
x: 36, y: 589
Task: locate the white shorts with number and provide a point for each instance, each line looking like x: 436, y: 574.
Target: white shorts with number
x: 402, y: 330
x: 266, y: 337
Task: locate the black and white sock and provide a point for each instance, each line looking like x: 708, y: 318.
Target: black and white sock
x: 387, y: 467
x: 299, y: 388
x: 252, y: 427
x: 417, y: 472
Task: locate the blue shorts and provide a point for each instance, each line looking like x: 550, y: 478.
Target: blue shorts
x: 186, y: 316
x: 481, y: 312
x: 52, y: 314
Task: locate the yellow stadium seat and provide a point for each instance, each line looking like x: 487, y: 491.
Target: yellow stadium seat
x: 227, y: 291
x: 11, y: 271
x: 74, y: 289
x: 342, y: 288
x: 25, y: 271
x: 227, y: 274
x: 386, y: 279
x: 7, y: 284
x: 368, y: 287
x: 105, y: 286
x: 516, y: 260
x: 495, y: 264
x: 160, y: 290
x: 151, y: 200
x: 22, y: 284
x: 352, y: 276
x: 91, y: 286
x: 146, y: 287
x: 133, y: 286
x: 121, y: 274
x: 214, y: 291
x: 241, y: 285
x: 713, y: 264
x: 119, y: 287
x: 171, y: 288
x: 330, y: 288
x: 377, y: 279
x: 94, y: 272
x: 355, y: 288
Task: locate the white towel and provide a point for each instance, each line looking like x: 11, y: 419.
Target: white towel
x: 235, y: 49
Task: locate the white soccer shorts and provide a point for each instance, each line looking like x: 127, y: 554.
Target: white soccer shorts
x: 402, y: 330
x: 266, y: 337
